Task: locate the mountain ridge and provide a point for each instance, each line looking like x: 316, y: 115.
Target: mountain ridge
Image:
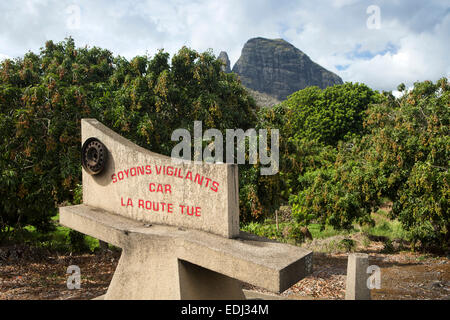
x: 277, y: 68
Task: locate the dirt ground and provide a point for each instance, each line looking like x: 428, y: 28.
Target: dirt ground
x: 37, y: 274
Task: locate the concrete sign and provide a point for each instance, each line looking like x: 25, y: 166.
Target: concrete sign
x: 177, y: 224
x: 151, y: 188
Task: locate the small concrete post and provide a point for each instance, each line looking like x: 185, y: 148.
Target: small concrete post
x: 357, y: 277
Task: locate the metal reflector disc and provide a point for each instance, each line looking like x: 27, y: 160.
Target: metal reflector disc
x: 93, y: 156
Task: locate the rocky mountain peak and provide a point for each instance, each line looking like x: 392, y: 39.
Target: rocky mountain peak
x: 223, y: 56
x: 277, y: 68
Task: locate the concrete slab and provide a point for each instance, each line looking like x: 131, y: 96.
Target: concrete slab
x: 152, y: 188
x: 249, y: 295
x: 165, y: 250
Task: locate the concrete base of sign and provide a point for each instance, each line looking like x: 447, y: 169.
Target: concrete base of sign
x: 254, y: 295
x: 163, y: 262
x: 357, y: 288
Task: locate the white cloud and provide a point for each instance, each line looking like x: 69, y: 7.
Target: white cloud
x: 4, y: 56
x: 398, y: 94
x: 333, y: 34
x: 400, y: 51
x: 343, y: 3
x: 419, y: 57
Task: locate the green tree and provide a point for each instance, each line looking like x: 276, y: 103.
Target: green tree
x: 330, y: 115
x: 404, y: 157
x: 42, y: 99
x: 410, y: 143
x: 44, y: 96
x: 312, y: 122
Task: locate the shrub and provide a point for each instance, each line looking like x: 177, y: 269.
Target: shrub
x: 293, y: 232
x: 330, y: 115
x: 347, y: 244
x: 44, y: 96
x: 404, y: 158
x: 312, y: 122
x: 77, y: 241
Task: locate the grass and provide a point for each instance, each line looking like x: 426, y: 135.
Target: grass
x: 328, y: 232
x: 266, y: 229
x: 56, y: 240
x: 384, y: 228
x: 269, y: 230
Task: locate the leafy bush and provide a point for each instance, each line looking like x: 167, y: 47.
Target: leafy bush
x: 312, y: 122
x: 293, y: 232
x: 347, y: 244
x: 330, y: 115
x: 44, y: 96
x: 259, y: 196
x: 77, y: 241
x: 404, y: 158
x: 409, y: 142
x: 388, y: 246
x: 338, y: 195
x: 266, y: 229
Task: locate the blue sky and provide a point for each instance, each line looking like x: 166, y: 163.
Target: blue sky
x: 408, y: 43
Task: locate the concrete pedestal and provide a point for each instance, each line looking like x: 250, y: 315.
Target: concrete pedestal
x: 357, y: 277
x: 169, y: 263
x: 150, y: 271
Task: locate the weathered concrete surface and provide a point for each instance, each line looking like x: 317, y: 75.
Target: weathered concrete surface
x: 357, y: 276
x: 129, y: 186
x: 165, y: 262
x: 197, y: 283
x: 252, y: 295
x: 178, y: 226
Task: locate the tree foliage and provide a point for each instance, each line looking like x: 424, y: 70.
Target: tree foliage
x: 403, y: 157
x: 410, y: 143
x: 343, y: 149
x: 329, y: 115
x: 44, y: 96
x: 312, y: 121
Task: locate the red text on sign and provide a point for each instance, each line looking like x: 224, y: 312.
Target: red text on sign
x: 190, y: 210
